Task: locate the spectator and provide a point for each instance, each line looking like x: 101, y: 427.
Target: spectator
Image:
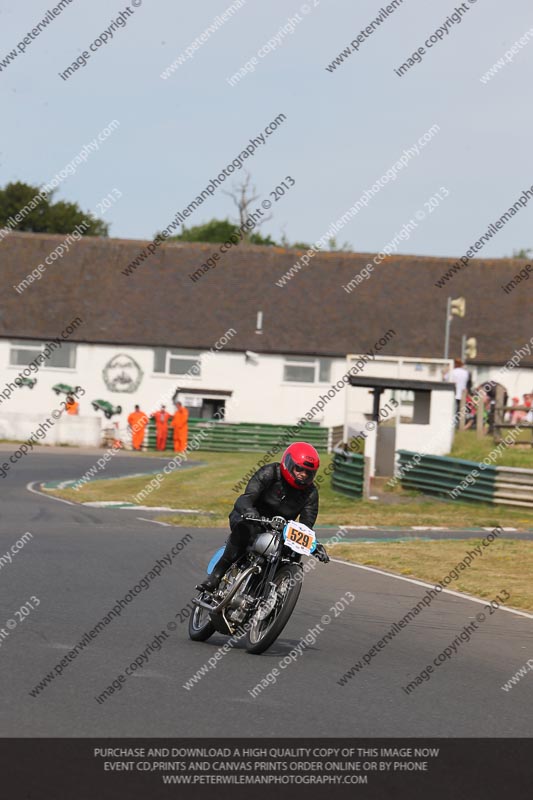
x: 72, y: 406
x: 161, y: 424
x: 137, y: 421
x: 490, y: 388
x: 470, y: 412
x: 516, y: 415
x: 461, y: 377
x: 179, y: 423
x: 528, y: 402
x: 521, y: 411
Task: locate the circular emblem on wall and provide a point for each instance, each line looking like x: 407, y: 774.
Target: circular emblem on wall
x: 122, y: 374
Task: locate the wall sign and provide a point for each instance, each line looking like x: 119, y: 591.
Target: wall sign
x: 122, y: 374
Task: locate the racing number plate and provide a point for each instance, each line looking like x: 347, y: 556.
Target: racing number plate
x: 299, y: 537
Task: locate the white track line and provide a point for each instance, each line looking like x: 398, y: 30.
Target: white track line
x: 29, y: 487
x: 429, y: 586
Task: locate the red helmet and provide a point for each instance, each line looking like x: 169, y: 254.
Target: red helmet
x: 300, y: 455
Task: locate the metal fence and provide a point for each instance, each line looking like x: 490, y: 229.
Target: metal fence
x: 348, y: 476
x: 233, y: 437
x: 457, y: 479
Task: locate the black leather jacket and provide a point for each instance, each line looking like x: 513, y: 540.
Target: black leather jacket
x: 270, y: 495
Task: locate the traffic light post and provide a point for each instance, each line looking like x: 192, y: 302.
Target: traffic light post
x: 468, y: 348
x: 453, y: 308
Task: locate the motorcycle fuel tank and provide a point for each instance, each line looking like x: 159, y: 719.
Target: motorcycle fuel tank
x: 264, y: 544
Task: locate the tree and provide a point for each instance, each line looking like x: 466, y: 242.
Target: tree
x: 218, y: 230
x: 244, y: 196
x: 266, y: 241
x: 47, y: 216
x: 334, y: 247
x: 522, y: 253
x: 221, y: 230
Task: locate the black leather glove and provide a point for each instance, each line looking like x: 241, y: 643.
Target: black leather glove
x: 252, y: 513
x: 320, y: 553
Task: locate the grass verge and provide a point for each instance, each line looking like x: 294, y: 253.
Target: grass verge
x: 506, y: 564
x: 466, y: 445
x: 209, y: 487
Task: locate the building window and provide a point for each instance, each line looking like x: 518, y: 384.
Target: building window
x: 177, y: 362
x: 324, y: 370
x: 63, y: 358
x: 160, y: 359
x: 22, y: 353
x: 304, y: 369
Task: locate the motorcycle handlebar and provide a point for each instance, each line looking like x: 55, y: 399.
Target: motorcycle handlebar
x: 275, y: 524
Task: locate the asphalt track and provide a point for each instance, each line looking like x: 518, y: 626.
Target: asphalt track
x: 81, y: 560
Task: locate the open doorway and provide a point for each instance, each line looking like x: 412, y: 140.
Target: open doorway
x: 210, y: 408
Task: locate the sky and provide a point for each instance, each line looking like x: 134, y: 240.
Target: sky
x: 343, y: 129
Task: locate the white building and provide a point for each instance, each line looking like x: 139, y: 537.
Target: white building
x: 234, y: 338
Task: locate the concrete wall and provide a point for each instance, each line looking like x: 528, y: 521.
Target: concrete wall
x: 73, y: 430
x: 437, y: 437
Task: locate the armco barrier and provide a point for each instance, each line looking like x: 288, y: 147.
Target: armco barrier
x: 233, y: 437
x: 440, y: 475
x: 348, y: 474
x: 514, y: 486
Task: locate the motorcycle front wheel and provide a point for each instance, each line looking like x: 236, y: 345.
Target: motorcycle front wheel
x: 200, y: 626
x: 263, y: 632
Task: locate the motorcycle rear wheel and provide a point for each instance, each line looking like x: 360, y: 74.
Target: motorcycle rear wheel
x: 264, y: 633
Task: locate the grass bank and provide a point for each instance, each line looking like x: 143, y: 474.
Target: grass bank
x: 466, y: 445
x: 210, y: 487
x: 504, y: 565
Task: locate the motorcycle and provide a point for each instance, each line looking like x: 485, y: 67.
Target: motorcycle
x: 259, y: 591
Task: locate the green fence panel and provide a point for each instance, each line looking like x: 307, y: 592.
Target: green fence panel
x: 453, y: 478
x: 240, y: 436
x: 348, y: 474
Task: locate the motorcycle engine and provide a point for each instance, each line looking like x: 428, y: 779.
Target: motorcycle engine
x: 239, y: 604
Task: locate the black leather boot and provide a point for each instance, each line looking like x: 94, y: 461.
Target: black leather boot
x: 230, y: 554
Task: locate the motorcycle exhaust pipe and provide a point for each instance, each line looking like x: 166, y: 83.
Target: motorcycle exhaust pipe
x: 197, y: 602
x: 232, y: 592
x: 237, y: 585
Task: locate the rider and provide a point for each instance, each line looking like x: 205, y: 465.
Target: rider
x: 284, y: 489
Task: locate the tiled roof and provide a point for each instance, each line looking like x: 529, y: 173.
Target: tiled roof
x: 160, y: 305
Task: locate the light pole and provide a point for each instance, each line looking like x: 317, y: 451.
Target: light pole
x: 454, y: 308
